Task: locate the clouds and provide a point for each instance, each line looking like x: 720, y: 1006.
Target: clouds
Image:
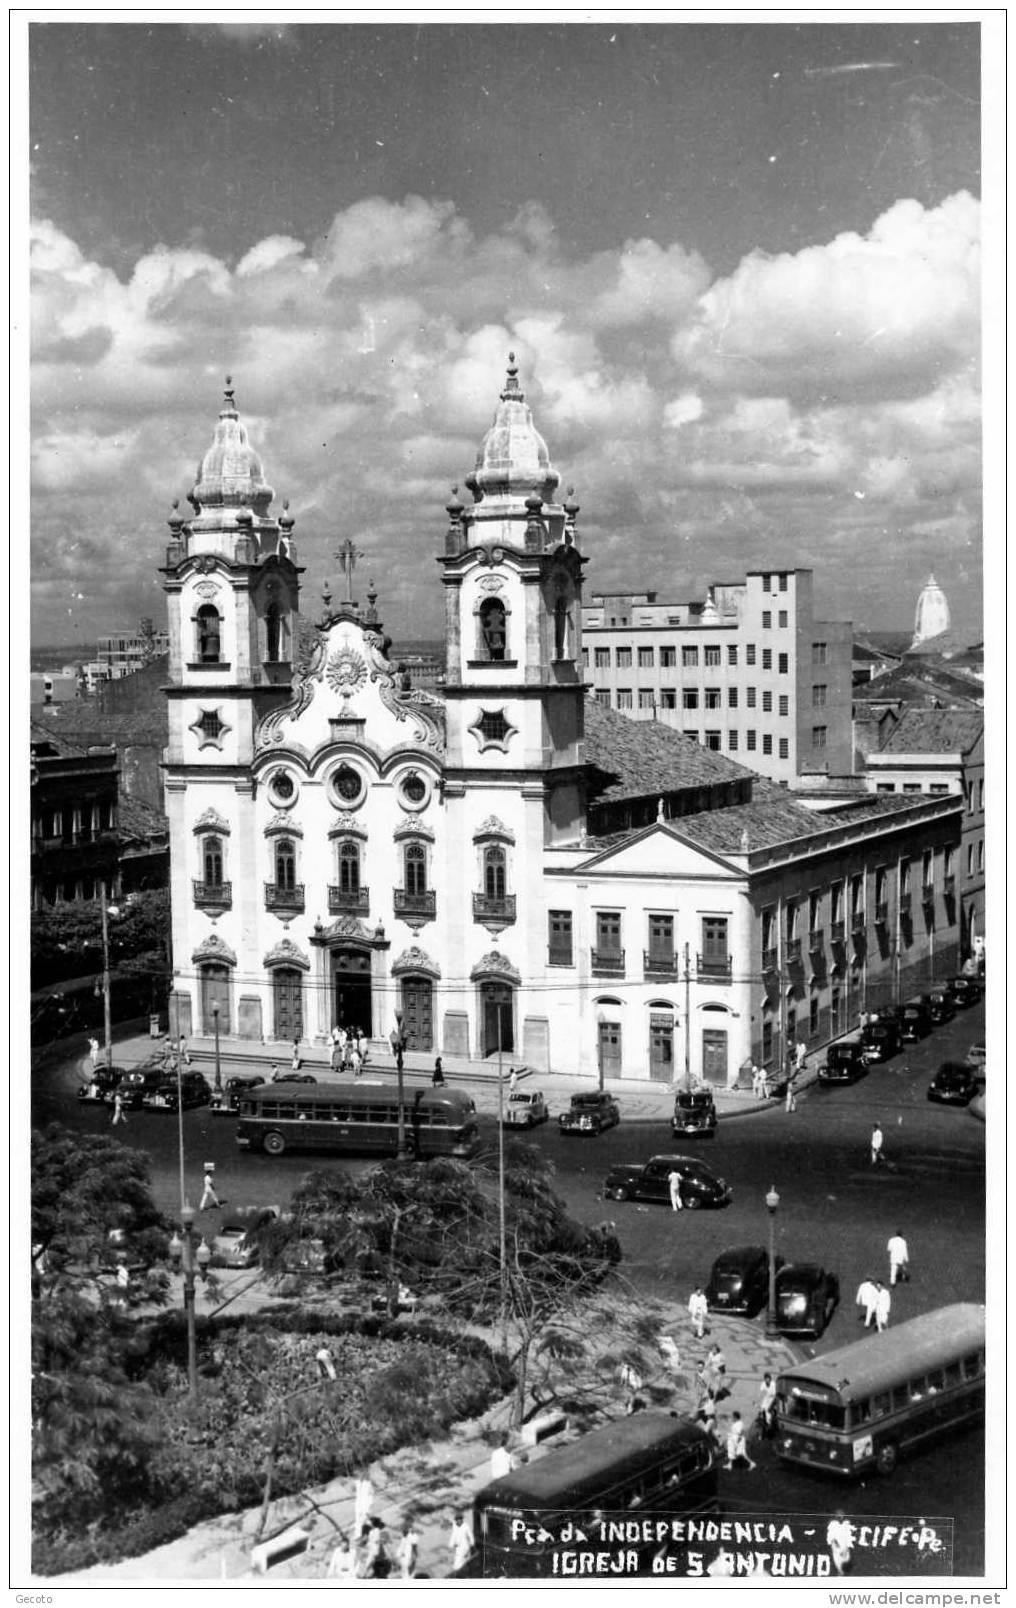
x: 696, y: 416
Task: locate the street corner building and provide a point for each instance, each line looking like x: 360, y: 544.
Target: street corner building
x: 510, y: 864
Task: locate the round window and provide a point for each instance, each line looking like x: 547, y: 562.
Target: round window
x: 414, y: 789
x: 347, y: 784
x: 281, y: 788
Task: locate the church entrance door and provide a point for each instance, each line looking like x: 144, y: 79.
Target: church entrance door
x: 352, y: 990
x: 287, y: 991
x: 498, y: 1018
x: 418, y: 1013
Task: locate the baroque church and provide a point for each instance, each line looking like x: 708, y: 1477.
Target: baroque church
x: 507, y: 866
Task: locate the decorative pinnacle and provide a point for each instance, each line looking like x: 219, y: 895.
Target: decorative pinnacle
x: 512, y: 389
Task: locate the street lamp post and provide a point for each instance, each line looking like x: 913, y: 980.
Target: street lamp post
x: 192, y: 1260
x: 772, y: 1206
x: 215, y: 1026
x: 398, y: 1043
x: 107, y: 1014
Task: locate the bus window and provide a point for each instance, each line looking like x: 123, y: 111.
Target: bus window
x: 936, y: 1380
x: 860, y: 1413
x: 901, y: 1395
x: 971, y: 1366
x: 952, y: 1374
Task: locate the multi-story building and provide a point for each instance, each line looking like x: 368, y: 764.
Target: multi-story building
x: 750, y: 672
x: 123, y: 652
x: 74, y: 819
x: 507, y: 867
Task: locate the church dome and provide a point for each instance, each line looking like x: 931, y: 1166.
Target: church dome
x: 932, y: 617
x: 513, y: 460
x: 230, y: 474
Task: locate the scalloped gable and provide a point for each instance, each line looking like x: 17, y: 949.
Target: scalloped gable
x: 658, y: 850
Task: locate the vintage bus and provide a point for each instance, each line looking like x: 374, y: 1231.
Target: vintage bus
x: 358, y: 1118
x: 647, y: 1462
x: 863, y: 1405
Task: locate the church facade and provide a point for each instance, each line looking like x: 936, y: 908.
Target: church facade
x: 506, y: 867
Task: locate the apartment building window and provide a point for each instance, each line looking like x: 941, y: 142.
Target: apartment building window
x: 751, y: 695
x: 647, y: 658
x: 818, y: 695
x: 767, y: 581
x: 782, y: 619
x: 980, y: 793
x: 767, y: 658
x: 784, y: 748
x: 689, y: 731
x: 601, y: 658
x: 715, y: 956
x: 970, y: 859
x: 559, y: 937
x: 711, y: 657
x: 767, y: 703
x: 668, y: 697
x: 608, y: 937
x: 732, y: 741
x: 668, y: 658
x: 911, y: 787
x: 585, y: 658
x: 750, y: 740
x: 603, y: 697
x: 689, y: 658
x: 948, y: 861
x: 819, y: 653
x: 732, y: 655
x: 731, y: 697
x: 713, y: 698
x: 980, y: 854
x: 783, y: 582
x: 749, y: 653
x: 767, y: 743
x: 767, y: 620
x: 938, y: 787
x: 885, y: 787
x: 927, y: 868
x: 624, y: 697
x: 712, y: 740
x: 623, y: 659
x: 783, y: 664
x: 646, y: 699
x: 784, y: 704
x: 689, y: 698
x: 819, y: 736
x: 661, y: 941
x: 813, y: 1016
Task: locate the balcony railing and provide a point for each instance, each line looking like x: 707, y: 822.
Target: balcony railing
x: 717, y: 968
x: 949, y: 887
x: 415, y: 904
x: 277, y: 898
x: 661, y: 963
x: 857, y: 922
x: 609, y: 962
x: 928, y: 893
x: 345, y: 901
x: 816, y: 940
x: 560, y: 956
x: 793, y: 951
x: 768, y: 960
x: 488, y: 908
x: 213, y: 895
x: 837, y: 932
x: 881, y: 914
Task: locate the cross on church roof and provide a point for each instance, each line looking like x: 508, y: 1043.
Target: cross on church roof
x: 347, y: 555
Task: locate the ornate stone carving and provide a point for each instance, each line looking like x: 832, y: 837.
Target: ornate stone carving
x: 346, y: 672
x: 214, y: 948
x: 346, y: 825
x: 414, y: 829
x: 282, y: 823
x: 207, y: 589
x: 495, y: 964
x: 493, y: 826
x: 286, y: 953
x: 346, y: 927
x: 211, y: 821
x: 492, y: 583
x: 415, y: 959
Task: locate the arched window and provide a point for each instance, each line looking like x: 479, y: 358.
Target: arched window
x: 212, y: 855
x: 349, y: 868
x: 209, y: 634
x: 562, y: 626
x: 285, y: 864
x: 494, y: 878
x: 493, y: 628
x: 416, y: 868
x: 273, y: 633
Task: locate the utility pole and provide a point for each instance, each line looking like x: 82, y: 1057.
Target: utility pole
x: 502, y: 1237
x: 687, y: 1017
x: 107, y: 1015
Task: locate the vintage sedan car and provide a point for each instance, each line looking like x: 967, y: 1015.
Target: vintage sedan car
x: 526, y: 1108
x: 590, y: 1113
x: 964, y: 990
x: 844, y: 1063
x: 915, y: 1020
x: 976, y: 1059
x: 295, y: 1077
x: 134, y: 1085
x: 694, y: 1113
x: 880, y: 1040
x: 192, y: 1086
x: 231, y: 1247
x: 226, y: 1101
x: 953, y: 1084
x: 739, y: 1281
x: 941, y: 1006
x: 102, y: 1083
x: 700, y: 1185
x: 806, y: 1298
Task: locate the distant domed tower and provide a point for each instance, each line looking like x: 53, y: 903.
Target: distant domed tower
x: 932, y: 617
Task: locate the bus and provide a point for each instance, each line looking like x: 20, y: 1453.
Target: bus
x: 649, y: 1461
x: 358, y: 1118
x: 861, y: 1406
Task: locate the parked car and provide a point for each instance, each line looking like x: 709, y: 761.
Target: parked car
x: 102, y: 1083
x: 941, y: 1006
x: 880, y: 1040
x: 294, y: 1077
x: 231, y: 1247
x: 526, y: 1108
x: 227, y: 1099
x: 953, y: 1084
x: 964, y: 990
x: 590, y: 1113
x: 739, y: 1281
x: 976, y: 1059
x: 844, y: 1063
x: 133, y: 1086
x: 915, y: 1020
x: 700, y: 1185
x: 192, y: 1086
x: 806, y: 1298
x: 694, y: 1113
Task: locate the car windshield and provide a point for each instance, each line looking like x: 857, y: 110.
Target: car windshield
x: 581, y: 1100
x: 727, y: 1278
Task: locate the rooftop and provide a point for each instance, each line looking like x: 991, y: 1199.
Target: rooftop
x: 934, y: 731
x: 773, y: 819
x: 639, y: 758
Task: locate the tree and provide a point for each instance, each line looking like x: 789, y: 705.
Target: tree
x: 66, y: 940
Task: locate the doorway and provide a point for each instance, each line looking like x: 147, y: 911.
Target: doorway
x: 287, y: 995
x: 610, y: 1049
x: 215, y: 991
x: 661, y: 1047
x: 714, y: 1055
x: 351, y: 985
x: 498, y: 1018
x: 418, y: 1013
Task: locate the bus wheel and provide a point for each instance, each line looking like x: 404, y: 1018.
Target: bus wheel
x: 274, y: 1143
x: 886, y: 1458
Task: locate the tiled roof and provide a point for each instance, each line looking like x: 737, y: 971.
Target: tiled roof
x: 41, y: 732
x: 934, y: 731
x: 775, y: 819
x: 136, y: 819
x: 921, y: 685
x: 637, y: 758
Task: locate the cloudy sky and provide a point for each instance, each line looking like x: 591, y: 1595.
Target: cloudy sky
x: 739, y: 265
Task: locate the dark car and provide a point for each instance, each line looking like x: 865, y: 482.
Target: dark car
x: 941, y: 1006
x: 590, y: 1113
x: 844, y: 1063
x: 915, y: 1020
x: 227, y: 1099
x: 700, y: 1185
x: 739, y: 1281
x: 880, y: 1040
x: 133, y: 1086
x: 806, y: 1298
x: 964, y: 990
x: 953, y: 1084
x: 694, y: 1113
x: 294, y: 1077
x: 103, y: 1081
x: 193, y: 1087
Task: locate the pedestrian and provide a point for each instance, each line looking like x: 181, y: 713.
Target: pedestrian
x: 123, y: 1277
x: 758, y: 1081
x: 714, y: 1370
x: 118, y: 1109
x: 362, y: 1047
x: 208, y: 1196
x: 791, y: 1101
x: 335, y: 1056
x: 354, y: 1061
x: 274, y: 1075
x: 513, y: 1079
x: 185, y: 1055
x: 460, y: 1542
x: 377, y: 1565
x: 326, y: 1364
x: 706, y: 1415
x: 342, y: 1563
x: 899, y: 1258
x: 296, y: 1063
x: 866, y: 1298
x: 363, y: 1501
x: 698, y: 1309
x: 407, y: 1550
x: 883, y: 1302
x: 840, y: 1541
x: 800, y: 1056
x: 862, y: 1020
x: 93, y: 1051
x: 877, y: 1139
x: 631, y: 1379
x: 674, y: 1180
x: 500, y: 1462
x: 767, y: 1404
x: 737, y: 1443
x: 438, y: 1078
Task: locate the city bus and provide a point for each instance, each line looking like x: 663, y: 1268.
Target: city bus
x: 356, y: 1118
x: 649, y: 1461
x: 861, y: 1406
